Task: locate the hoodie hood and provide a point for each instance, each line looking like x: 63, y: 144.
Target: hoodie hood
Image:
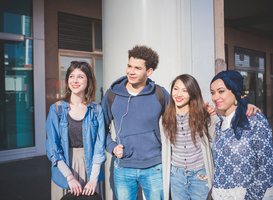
x: 118, y: 87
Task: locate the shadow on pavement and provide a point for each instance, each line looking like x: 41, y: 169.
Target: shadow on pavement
x: 27, y: 179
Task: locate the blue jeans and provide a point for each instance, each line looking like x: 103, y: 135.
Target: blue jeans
x: 189, y: 184
x: 127, y: 181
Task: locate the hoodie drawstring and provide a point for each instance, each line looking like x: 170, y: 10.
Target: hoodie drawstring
x: 122, y: 120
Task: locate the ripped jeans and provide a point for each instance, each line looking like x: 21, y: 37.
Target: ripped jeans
x: 189, y: 184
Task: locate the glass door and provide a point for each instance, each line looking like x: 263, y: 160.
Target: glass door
x: 16, y: 89
x: 251, y: 64
x: 254, y: 88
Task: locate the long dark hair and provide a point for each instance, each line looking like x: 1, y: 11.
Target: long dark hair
x: 91, y: 88
x: 199, y: 118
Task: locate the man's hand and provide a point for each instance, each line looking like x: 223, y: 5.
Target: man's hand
x: 211, y: 110
x: 118, y: 150
x: 252, y: 109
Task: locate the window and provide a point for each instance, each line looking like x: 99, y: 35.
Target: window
x: 251, y: 64
x: 80, y: 38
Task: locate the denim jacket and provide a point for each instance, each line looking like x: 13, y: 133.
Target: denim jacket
x: 57, y: 144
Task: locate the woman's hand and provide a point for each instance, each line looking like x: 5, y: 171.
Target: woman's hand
x: 89, y: 188
x: 74, y: 185
x: 252, y: 109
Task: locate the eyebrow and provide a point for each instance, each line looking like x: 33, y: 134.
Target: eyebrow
x: 134, y: 66
x: 219, y: 88
x: 78, y: 74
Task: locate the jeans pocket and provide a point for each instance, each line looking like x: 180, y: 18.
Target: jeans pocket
x: 117, y: 166
x: 202, y: 175
x: 157, y: 168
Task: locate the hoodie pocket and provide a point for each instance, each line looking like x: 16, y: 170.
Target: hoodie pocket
x: 141, y: 146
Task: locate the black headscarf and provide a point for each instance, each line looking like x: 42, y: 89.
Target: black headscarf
x: 234, y: 82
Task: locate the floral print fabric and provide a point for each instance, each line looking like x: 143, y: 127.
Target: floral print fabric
x: 247, y: 162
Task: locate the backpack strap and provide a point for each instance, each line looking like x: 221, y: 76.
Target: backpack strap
x: 161, y: 97
x: 110, y: 98
x: 96, y: 112
x: 59, y: 107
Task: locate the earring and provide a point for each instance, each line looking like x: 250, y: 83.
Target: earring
x: 236, y: 102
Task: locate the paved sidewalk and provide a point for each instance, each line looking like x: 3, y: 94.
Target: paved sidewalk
x: 27, y: 179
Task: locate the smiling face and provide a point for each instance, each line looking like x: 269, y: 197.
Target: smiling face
x: 180, y: 96
x: 77, y: 82
x: 222, y: 97
x: 136, y: 72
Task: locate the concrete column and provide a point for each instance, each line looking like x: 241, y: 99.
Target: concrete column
x: 181, y: 31
x: 39, y: 76
x: 219, y: 30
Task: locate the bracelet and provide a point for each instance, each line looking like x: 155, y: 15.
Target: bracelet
x: 70, y: 179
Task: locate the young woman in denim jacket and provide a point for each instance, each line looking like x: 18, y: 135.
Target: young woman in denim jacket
x: 76, y: 140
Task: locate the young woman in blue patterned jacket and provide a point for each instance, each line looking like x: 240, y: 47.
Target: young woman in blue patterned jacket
x: 76, y: 139
x: 242, y: 150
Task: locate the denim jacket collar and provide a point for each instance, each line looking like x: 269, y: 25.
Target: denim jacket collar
x: 65, y: 105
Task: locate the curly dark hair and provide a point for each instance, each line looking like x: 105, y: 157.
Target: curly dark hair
x: 143, y: 52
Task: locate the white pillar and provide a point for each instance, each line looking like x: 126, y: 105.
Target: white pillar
x: 181, y: 31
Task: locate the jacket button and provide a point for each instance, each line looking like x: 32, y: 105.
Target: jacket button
x: 85, y: 149
x: 84, y: 139
x: 84, y: 129
x: 87, y: 167
x: 86, y: 159
x: 84, y: 119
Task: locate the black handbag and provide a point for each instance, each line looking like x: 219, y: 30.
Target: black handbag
x: 70, y: 196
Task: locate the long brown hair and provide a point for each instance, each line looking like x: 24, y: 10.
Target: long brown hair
x: 91, y: 88
x: 198, y: 115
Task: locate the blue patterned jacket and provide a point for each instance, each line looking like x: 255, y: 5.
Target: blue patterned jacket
x: 246, y: 162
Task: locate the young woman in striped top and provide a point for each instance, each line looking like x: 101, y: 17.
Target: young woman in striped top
x: 189, y: 164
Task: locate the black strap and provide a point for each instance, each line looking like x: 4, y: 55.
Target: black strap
x: 110, y: 97
x: 161, y: 97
